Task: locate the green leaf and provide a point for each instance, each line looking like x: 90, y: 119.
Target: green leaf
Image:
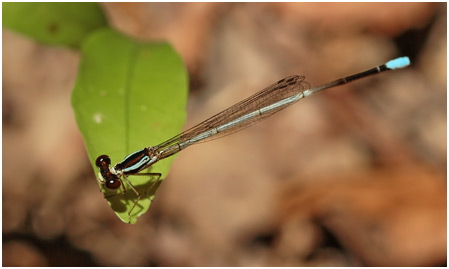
x: 64, y: 24
x: 129, y: 95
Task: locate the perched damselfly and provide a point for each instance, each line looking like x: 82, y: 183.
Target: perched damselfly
x: 259, y: 106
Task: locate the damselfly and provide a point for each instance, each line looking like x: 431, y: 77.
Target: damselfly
x: 259, y: 106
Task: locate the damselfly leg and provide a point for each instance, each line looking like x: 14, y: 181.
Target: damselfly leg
x: 139, y: 195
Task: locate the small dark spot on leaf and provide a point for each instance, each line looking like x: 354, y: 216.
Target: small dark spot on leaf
x: 53, y: 28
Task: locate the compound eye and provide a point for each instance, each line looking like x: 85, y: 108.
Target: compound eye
x: 112, y: 184
x: 103, y: 160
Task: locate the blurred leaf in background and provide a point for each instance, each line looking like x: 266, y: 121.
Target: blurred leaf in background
x: 129, y: 95
x: 64, y: 24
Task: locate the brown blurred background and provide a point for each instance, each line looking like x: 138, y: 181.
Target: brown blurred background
x: 353, y: 176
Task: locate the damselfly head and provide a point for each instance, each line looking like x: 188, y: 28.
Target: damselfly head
x: 109, y: 178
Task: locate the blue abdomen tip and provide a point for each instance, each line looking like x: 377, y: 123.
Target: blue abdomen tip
x: 400, y: 62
